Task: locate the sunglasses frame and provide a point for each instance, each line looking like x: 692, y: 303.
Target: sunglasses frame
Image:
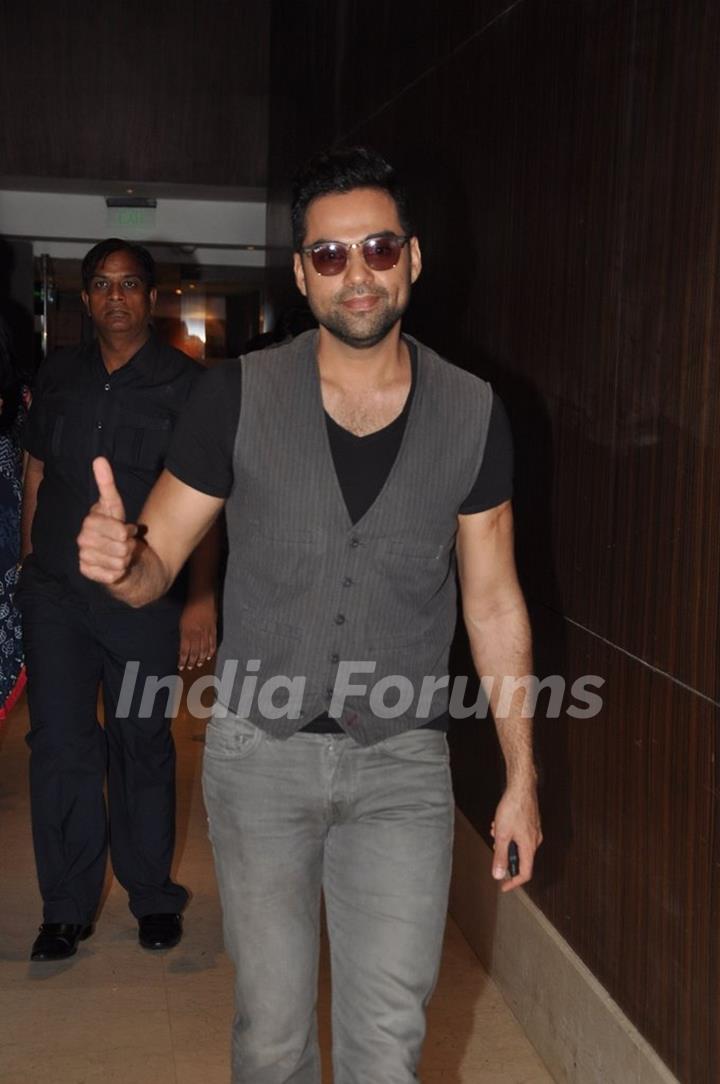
x: 310, y: 250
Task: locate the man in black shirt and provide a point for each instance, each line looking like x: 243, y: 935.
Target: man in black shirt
x: 119, y: 396
x: 351, y: 465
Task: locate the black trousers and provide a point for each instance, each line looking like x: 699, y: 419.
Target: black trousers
x: 72, y: 646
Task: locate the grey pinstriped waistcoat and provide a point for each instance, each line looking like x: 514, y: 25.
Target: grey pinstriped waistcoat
x: 307, y: 592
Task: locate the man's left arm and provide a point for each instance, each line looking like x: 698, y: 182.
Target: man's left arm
x: 198, y: 621
x: 498, y: 628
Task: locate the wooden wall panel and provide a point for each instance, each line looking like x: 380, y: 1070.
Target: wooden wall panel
x: 170, y: 92
x: 565, y: 166
x: 381, y: 56
x: 303, y: 118
x: 667, y: 441
x: 629, y: 868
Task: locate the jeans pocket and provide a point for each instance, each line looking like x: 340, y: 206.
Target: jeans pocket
x: 417, y: 746
x: 231, y: 738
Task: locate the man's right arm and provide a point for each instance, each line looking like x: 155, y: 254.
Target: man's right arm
x: 138, y: 563
x: 32, y: 477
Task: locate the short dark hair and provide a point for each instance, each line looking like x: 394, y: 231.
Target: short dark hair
x: 98, y: 253
x: 343, y: 170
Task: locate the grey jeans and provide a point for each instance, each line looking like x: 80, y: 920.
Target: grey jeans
x: 371, y: 828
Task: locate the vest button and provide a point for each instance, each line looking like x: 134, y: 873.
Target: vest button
x: 329, y: 692
x: 347, y: 582
x: 354, y: 542
x: 340, y: 619
x: 335, y: 657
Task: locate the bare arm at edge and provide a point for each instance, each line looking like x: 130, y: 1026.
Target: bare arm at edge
x: 498, y: 629
x: 33, y: 473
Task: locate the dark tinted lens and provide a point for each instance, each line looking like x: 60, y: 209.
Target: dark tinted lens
x: 382, y: 253
x: 329, y: 259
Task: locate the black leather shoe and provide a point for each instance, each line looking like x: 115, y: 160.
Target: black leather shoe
x: 160, y: 931
x: 58, y: 940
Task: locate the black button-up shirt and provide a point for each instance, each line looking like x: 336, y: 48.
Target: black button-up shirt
x: 80, y: 411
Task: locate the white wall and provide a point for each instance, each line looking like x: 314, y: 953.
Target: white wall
x: 64, y: 225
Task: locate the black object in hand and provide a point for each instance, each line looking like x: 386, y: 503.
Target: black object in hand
x: 513, y: 859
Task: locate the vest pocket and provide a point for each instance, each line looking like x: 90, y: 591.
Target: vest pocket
x: 417, y: 549
x: 280, y: 566
x: 414, y: 572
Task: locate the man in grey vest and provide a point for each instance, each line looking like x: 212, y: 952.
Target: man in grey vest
x: 355, y: 467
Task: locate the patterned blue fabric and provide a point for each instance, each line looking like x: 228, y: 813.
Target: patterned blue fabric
x: 11, y: 652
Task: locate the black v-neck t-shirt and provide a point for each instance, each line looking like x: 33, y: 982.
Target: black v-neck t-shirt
x: 363, y: 464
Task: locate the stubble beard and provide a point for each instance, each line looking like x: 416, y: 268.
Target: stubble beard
x: 364, y: 330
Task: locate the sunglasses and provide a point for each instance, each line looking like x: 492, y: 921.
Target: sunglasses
x: 379, y: 253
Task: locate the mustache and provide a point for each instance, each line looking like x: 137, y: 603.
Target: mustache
x: 352, y: 292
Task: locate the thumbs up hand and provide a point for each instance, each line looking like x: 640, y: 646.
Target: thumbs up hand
x: 106, y: 543
x: 110, y: 503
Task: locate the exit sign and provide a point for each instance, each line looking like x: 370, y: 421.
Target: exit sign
x: 133, y: 219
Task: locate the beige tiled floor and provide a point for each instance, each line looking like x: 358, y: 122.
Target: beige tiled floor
x: 115, y: 1014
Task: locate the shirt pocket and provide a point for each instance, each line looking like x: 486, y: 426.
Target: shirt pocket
x: 63, y: 431
x: 142, y: 440
x: 56, y: 427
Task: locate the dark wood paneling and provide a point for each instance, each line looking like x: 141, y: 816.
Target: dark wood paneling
x: 380, y: 55
x: 303, y: 117
x: 171, y: 92
x: 667, y: 438
x: 565, y: 166
x: 630, y: 865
